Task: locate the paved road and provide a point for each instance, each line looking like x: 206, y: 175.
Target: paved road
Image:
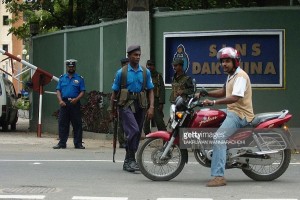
x: 31, y: 169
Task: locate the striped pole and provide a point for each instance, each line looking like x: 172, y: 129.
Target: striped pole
x: 39, y: 128
x: 27, y: 64
x: 43, y: 73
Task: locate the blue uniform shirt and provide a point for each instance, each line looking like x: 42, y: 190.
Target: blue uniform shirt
x: 70, y: 87
x: 134, y: 80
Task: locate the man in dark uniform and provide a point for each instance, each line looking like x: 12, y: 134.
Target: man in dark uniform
x: 182, y: 84
x: 131, y: 98
x: 69, y: 90
x: 159, y: 100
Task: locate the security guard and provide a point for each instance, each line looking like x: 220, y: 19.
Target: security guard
x: 182, y: 84
x: 129, y: 91
x: 159, y: 100
x: 69, y: 90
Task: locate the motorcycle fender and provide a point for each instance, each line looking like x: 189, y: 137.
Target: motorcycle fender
x: 165, y: 135
x: 274, y: 123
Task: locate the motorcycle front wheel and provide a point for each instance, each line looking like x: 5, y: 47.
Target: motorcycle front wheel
x: 155, y: 168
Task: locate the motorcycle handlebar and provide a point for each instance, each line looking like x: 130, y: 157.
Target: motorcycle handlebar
x: 199, y: 104
x: 195, y: 102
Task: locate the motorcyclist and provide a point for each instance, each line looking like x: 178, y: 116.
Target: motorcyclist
x: 237, y: 95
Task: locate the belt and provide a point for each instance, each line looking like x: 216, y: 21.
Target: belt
x: 67, y: 99
x: 133, y: 95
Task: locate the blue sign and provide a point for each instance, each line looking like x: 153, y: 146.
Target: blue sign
x: 261, y: 56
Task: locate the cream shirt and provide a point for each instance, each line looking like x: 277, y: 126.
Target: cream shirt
x: 239, y: 84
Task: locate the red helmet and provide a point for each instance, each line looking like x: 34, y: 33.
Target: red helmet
x: 229, y: 52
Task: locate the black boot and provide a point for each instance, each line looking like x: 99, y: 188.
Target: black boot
x: 132, y: 165
x: 126, y: 161
x: 136, y: 165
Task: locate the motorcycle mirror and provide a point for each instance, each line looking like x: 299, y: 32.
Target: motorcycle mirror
x: 194, y: 83
x: 179, y: 101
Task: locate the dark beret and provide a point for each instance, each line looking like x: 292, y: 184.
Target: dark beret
x: 71, y: 62
x: 150, y: 62
x: 124, y: 60
x: 132, y: 48
x: 177, y: 61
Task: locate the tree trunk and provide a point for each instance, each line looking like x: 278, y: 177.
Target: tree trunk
x: 70, y: 14
x: 138, y: 5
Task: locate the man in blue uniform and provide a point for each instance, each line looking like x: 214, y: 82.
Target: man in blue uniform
x: 69, y: 90
x: 129, y: 91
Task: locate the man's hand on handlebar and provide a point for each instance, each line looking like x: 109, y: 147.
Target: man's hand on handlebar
x: 208, y: 102
x: 202, y: 93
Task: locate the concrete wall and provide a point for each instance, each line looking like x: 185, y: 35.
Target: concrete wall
x: 98, y: 50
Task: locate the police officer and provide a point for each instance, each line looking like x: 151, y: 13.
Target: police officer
x: 182, y: 84
x: 159, y: 99
x: 131, y: 102
x: 70, y: 89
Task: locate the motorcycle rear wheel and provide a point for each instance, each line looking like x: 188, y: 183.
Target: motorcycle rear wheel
x: 270, y: 172
x: 153, y: 167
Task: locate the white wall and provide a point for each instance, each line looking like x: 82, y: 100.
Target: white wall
x: 4, y: 38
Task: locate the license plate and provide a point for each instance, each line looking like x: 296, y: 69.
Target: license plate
x: 174, y: 124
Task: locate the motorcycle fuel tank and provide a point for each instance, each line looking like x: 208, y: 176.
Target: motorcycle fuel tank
x: 207, y: 118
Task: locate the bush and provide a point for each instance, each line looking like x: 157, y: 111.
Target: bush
x: 22, y: 103
x: 95, y: 117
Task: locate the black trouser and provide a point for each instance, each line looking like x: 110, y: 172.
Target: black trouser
x: 132, y: 125
x: 158, y: 119
x: 70, y: 113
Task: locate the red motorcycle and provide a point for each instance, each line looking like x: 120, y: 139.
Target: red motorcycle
x: 264, y: 154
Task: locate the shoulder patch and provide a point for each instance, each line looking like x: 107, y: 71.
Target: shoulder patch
x: 61, y: 76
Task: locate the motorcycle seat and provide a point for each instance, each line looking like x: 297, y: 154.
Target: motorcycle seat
x: 262, y: 117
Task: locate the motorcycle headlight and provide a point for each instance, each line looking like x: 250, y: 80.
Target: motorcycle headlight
x: 172, y: 112
x: 179, y: 115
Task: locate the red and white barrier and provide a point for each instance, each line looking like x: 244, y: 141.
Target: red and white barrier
x: 39, y: 79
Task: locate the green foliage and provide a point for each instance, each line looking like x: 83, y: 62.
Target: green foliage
x: 53, y: 15
x: 23, y: 103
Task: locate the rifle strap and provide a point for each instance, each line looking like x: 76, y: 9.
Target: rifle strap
x: 158, y: 85
x: 144, y: 77
x: 124, y: 77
